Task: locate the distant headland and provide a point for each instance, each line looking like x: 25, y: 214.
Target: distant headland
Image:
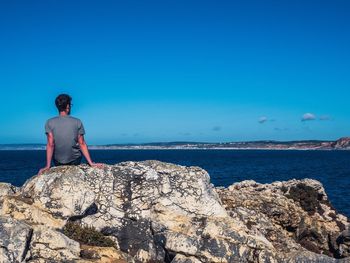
x: 340, y: 144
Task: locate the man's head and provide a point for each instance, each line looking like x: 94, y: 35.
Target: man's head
x: 63, y: 103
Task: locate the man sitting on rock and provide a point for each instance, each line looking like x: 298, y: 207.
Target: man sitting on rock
x: 65, y: 137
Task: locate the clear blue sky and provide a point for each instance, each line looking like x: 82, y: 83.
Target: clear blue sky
x: 142, y: 71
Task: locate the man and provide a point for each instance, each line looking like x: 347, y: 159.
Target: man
x: 65, y: 137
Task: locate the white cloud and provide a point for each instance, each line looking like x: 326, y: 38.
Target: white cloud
x: 308, y: 117
x: 263, y: 119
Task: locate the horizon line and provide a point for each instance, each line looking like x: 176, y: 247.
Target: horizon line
x: 199, y: 142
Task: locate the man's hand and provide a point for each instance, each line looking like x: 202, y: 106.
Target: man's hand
x: 85, y: 151
x: 97, y: 165
x: 42, y: 170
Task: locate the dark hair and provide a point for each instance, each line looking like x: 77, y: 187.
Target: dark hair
x: 62, y: 101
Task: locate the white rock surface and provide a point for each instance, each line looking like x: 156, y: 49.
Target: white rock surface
x: 161, y: 212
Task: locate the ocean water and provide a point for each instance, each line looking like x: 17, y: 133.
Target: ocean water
x: 331, y: 168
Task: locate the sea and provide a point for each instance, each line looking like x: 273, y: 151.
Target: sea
x: 225, y: 167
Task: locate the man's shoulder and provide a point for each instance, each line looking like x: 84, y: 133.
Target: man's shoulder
x: 53, y: 119
x: 75, y: 119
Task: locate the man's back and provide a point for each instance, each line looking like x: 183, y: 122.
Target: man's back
x: 65, y: 130
x: 65, y: 137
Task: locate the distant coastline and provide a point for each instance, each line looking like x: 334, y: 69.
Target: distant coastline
x: 340, y: 144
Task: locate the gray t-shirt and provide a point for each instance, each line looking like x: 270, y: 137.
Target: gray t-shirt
x: 65, y: 131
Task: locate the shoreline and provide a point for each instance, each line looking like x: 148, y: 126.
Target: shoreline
x: 306, y: 145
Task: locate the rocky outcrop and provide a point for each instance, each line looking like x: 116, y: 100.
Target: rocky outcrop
x: 14, y: 237
x: 289, y: 214
x: 159, y: 212
x: 103, y: 255
x: 342, y: 143
x: 7, y: 189
x: 48, y: 244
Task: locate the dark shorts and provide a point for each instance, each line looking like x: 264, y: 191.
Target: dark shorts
x: 74, y: 162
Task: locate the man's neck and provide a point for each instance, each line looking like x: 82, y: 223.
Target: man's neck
x: 63, y: 113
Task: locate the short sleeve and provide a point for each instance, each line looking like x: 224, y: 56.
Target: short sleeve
x: 81, y: 130
x: 48, y: 127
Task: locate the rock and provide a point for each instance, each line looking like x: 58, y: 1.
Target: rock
x: 7, y: 189
x: 342, y: 143
x: 309, y: 257
x: 291, y: 215
x: 103, y: 255
x: 23, y: 209
x: 137, y: 203
x: 159, y: 212
x: 342, y: 245
x: 183, y: 259
x: 48, y: 244
x: 64, y: 192
x: 14, y: 240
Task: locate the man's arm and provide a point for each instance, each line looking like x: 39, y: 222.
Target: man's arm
x: 84, y: 149
x: 50, y: 146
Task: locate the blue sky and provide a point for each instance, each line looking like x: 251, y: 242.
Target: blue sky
x: 142, y: 71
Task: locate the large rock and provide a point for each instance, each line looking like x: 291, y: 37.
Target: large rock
x: 103, y: 255
x: 14, y: 240
x: 25, y: 210
x: 342, y: 143
x: 153, y: 210
x: 161, y: 212
x: 20, y: 242
x: 291, y: 215
x: 7, y: 189
x: 48, y: 244
x: 183, y: 259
